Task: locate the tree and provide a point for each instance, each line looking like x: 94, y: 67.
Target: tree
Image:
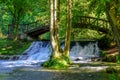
x: 54, y: 29
x: 113, y: 15
x: 18, y: 9
x: 68, y: 27
x: 59, y: 57
x: 112, y: 10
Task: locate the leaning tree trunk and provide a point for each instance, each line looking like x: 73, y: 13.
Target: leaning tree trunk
x: 68, y: 28
x: 114, y: 22
x: 13, y: 29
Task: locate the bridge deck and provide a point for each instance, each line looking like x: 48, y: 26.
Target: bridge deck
x: 34, y: 33
x: 35, y: 29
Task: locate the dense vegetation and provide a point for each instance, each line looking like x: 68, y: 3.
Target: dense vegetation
x: 64, y: 17
x: 8, y: 47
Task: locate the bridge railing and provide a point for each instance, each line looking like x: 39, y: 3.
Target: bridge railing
x: 86, y: 21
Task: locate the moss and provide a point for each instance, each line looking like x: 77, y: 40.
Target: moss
x: 57, y: 63
x: 66, y: 58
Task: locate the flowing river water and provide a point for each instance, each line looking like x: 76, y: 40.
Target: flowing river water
x: 27, y: 67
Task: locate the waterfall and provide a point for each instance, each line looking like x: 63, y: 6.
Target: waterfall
x: 40, y: 51
x: 84, y: 52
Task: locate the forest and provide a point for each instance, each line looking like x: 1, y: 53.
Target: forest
x: 60, y: 39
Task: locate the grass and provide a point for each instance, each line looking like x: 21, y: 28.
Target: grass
x: 9, y: 47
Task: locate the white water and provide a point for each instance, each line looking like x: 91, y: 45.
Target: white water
x: 40, y: 51
x: 84, y: 53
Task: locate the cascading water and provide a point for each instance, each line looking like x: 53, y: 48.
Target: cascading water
x: 84, y: 52
x: 39, y: 51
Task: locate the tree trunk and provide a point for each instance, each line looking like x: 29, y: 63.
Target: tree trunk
x: 16, y: 33
x: 58, y: 59
x: 113, y: 19
x: 68, y: 28
x: 13, y: 29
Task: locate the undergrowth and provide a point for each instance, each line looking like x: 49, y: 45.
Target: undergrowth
x: 9, y: 47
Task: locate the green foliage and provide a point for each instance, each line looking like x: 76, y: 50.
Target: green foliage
x: 80, y: 8
x: 16, y: 10
x: 118, y: 59
x: 66, y: 58
x: 45, y: 36
x: 113, y: 73
x: 96, y: 8
x: 22, y: 12
x: 33, y: 10
x: 78, y: 34
x: 113, y: 77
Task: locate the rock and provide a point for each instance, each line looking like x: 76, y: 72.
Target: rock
x: 77, y: 59
x: 111, y: 70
